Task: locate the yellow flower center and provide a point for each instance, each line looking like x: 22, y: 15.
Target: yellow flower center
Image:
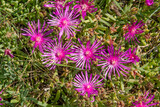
x: 38, y: 39
x: 133, y: 30
x: 84, y: 7
x: 113, y: 61
x: 65, y: 22
x: 88, y: 86
x: 88, y: 53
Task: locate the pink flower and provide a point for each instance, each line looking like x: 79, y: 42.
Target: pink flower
x: 144, y: 101
x: 1, y: 98
x: 133, y: 30
x: 66, y: 20
x: 85, y: 6
x: 84, y: 55
x: 113, y: 62
x: 132, y: 55
x: 88, y: 85
x: 57, y: 4
x: 55, y: 53
x: 8, y: 52
x: 37, y: 34
x: 149, y: 2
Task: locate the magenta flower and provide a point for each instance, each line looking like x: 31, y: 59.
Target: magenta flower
x: 8, y: 52
x: 88, y: 85
x: 84, y: 55
x: 149, y: 2
x: 85, y: 6
x: 1, y: 98
x: 57, y: 4
x: 37, y: 34
x: 132, y: 55
x: 133, y: 30
x: 66, y: 20
x: 113, y: 62
x: 144, y: 101
x: 55, y: 53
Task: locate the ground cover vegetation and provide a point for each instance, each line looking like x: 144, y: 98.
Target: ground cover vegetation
x: 79, y: 53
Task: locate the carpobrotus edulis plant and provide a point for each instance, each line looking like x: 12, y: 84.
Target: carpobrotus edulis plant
x: 83, y: 55
x: 86, y: 84
x: 55, y: 52
x: 131, y: 55
x: 38, y: 34
x: 66, y: 19
x: 133, y: 30
x: 114, y: 62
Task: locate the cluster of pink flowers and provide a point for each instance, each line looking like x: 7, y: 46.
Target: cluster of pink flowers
x: 54, y: 51
x: 66, y: 18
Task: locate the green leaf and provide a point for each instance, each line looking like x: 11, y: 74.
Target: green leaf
x: 154, y: 12
x: 110, y: 16
x: 132, y: 80
x: 73, y: 99
x: 43, y: 104
x: 90, y: 19
x: 106, y: 23
x: 101, y: 27
x: 14, y: 101
x: 57, y: 96
x: 145, y: 65
x: 122, y: 84
x: 100, y: 104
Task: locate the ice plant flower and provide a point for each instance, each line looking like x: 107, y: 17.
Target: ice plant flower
x: 113, y: 62
x: 133, y: 30
x: 144, y: 101
x: 1, y: 98
x: 66, y: 19
x: 8, y: 52
x: 83, y: 56
x: 55, y: 52
x: 37, y: 34
x: 132, y: 55
x: 57, y: 3
x: 85, y: 84
x: 149, y: 2
x: 84, y: 6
